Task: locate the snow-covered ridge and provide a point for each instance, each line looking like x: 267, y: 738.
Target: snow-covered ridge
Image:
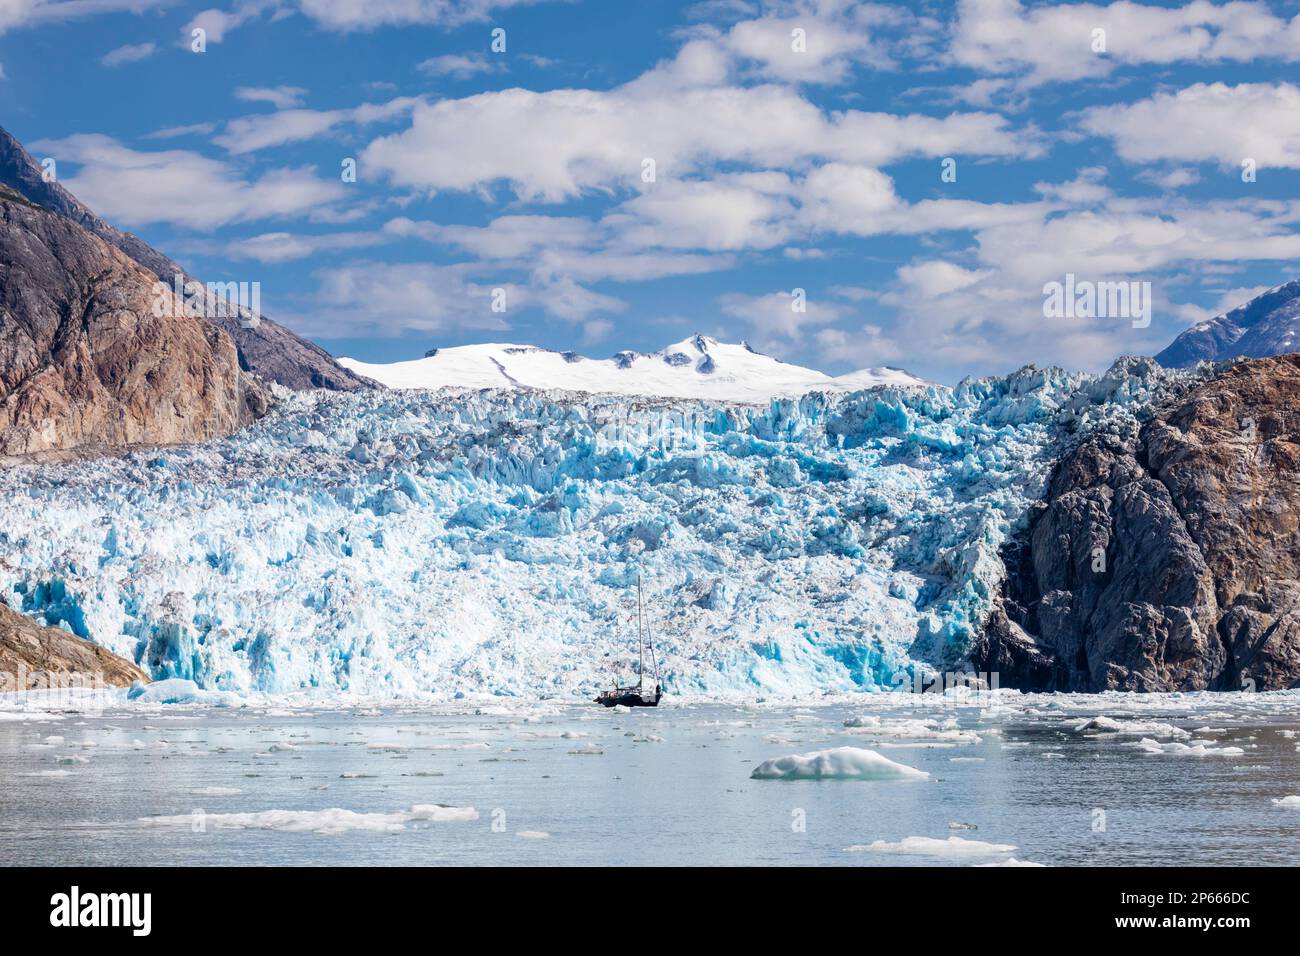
x: 414, y: 542
x: 697, y: 367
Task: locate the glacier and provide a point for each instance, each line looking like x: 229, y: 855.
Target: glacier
x: 488, y: 542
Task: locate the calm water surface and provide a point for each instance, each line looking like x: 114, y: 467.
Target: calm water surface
x: 666, y: 786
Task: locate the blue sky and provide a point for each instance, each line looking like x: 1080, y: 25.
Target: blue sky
x: 796, y: 145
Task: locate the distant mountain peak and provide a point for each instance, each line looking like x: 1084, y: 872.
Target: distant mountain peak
x: 697, y: 367
x: 1268, y: 324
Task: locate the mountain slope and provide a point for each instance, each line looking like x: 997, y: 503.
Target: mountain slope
x: 697, y: 367
x: 84, y: 361
x: 1264, y: 326
x: 269, y: 350
x: 1167, y: 558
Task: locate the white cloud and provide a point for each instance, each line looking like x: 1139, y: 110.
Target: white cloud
x: 348, y: 15
x: 579, y: 140
x: 272, y: 247
x: 1207, y: 122
x: 988, y: 313
x: 391, y: 299
x: 130, y: 53
x: 1054, y: 42
x: 583, y: 139
x: 865, y: 346
x: 775, y: 317
x: 172, y: 132
x: 22, y: 13
x: 1227, y: 301
x: 740, y: 211
x: 281, y: 97
x: 217, y: 23
x: 248, y: 134
x: 459, y: 66
x: 181, y: 187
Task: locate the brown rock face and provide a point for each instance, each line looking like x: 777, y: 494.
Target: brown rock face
x: 1168, y: 562
x: 29, y: 653
x: 270, y: 350
x: 84, y: 361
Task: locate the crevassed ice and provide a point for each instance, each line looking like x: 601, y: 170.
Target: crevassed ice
x: 489, y: 541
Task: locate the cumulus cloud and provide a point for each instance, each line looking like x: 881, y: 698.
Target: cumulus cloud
x: 350, y: 15
x: 778, y: 319
x: 676, y: 115
x: 1207, y: 122
x: 984, y: 308
x: 136, y: 188
x: 1055, y: 41
x: 24, y: 13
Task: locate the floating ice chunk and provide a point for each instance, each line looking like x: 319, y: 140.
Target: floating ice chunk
x: 839, y: 763
x: 870, y: 725
x: 1145, y: 728
x: 216, y: 791
x: 14, y: 716
x: 178, y: 690
x: 1288, y: 803
x: 1010, y: 861
x: 326, y: 822
x: 533, y: 834
x: 930, y: 846
x: 587, y: 750
x: 1197, y: 748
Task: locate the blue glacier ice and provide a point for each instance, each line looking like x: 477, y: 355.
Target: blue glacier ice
x: 489, y: 542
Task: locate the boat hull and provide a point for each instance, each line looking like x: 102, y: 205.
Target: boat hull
x: 628, y: 699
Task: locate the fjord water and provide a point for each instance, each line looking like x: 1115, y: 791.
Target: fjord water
x: 581, y: 785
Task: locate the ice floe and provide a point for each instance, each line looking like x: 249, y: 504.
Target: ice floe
x: 327, y: 822
x: 839, y: 763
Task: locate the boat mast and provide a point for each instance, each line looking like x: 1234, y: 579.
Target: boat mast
x: 654, y: 658
x: 640, y: 640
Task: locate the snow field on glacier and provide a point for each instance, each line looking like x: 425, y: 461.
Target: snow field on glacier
x: 489, y: 542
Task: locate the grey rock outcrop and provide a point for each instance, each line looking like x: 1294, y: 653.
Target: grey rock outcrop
x: 1169, y: 560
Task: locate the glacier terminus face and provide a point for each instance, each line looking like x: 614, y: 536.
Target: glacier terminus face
x: 465, y: 542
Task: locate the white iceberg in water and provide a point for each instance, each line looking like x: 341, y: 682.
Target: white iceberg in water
x: 1288, y: 803
x: 1197, y: 748
x: 930, y: 846
x: 840, y: 763
x: 1011, y: 861
x: 326, y: 822
x: 1145, y: 728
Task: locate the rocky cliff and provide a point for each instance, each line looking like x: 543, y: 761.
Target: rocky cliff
x: 269, y: 350
x: 1167, y: 559
x: 84, y: 361
x: 31, y: 653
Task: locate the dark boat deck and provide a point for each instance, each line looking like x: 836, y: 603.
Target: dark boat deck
x: 629, y: 697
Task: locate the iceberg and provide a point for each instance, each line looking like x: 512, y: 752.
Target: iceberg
x: 930, y: 846
x: 839, y: 763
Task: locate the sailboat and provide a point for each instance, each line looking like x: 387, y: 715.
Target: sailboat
x: 636, y: 695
